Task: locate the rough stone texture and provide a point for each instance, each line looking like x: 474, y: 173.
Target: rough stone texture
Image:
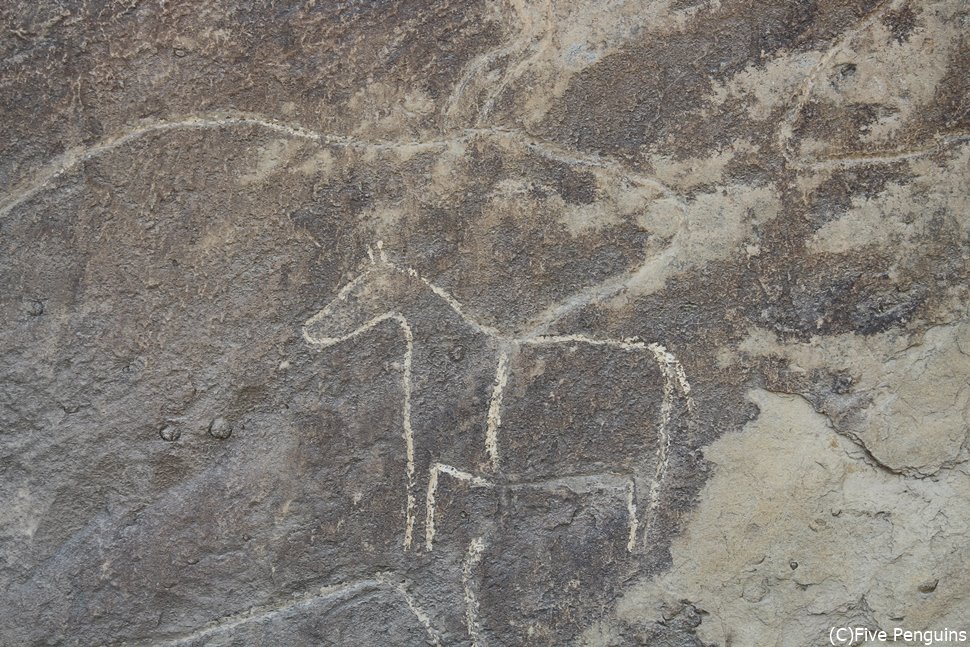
x: 401, y: 322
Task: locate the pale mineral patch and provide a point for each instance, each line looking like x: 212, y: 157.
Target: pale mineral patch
x: 909, y: 404
x: 774, y: 565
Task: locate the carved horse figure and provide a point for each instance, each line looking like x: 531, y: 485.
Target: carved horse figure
x: 454, y: 365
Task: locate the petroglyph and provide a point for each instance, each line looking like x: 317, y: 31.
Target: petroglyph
x: 47, y: 178
x: 636, y: 256
x: 356, y: 310
x: 57, y: 167
x: 319, y: 332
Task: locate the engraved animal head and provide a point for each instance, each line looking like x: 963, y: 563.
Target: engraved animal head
x: 376, y: 295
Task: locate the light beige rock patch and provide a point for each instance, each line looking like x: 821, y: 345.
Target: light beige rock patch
x: 387, y: 111
x: 910, y: 404
x: 795, y: 534
x: 903, y: 214
x: 769, y: 86
x: 619, y: 199
x: 320, y: 163
x: 271, y: 158
x: 899, y: 78
x: 580, y: 219
x: 549, y: 43
x: 716, y: 225
x: 693, y: 172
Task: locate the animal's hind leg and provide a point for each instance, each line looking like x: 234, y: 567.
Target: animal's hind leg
x: 558, y: 550
x: 463, y: 509
x: 437, y: 473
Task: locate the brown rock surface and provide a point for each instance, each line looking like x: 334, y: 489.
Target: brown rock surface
x: 395, y: 322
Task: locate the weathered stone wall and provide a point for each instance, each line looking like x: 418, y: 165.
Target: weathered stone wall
x: 483, y: 323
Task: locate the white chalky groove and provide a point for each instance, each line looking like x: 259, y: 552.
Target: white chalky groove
x: 473, y: 557
x: 260, y: 612
x: 494, y: 419
x: 57, y: 166
x: 631, y: 507
x: 674, y: 375
x: 408, y: 432
x: 436, y: 470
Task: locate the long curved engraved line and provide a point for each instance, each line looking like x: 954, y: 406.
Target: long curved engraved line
x: 54, y: 168
x: 406, y: 382
x: 29, y: 187
x: 79, y: 154
x: 306, y: 598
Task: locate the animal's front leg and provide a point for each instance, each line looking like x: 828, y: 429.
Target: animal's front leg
x: 493, y: 419
x: 490, y: 451
x: 446, y: 570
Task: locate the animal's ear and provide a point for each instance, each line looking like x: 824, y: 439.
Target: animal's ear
x: 379, y: 246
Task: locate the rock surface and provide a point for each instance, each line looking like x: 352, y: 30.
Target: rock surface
x: 483, y: 323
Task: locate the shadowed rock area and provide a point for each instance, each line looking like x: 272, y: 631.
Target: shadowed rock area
x: 483, y: 323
